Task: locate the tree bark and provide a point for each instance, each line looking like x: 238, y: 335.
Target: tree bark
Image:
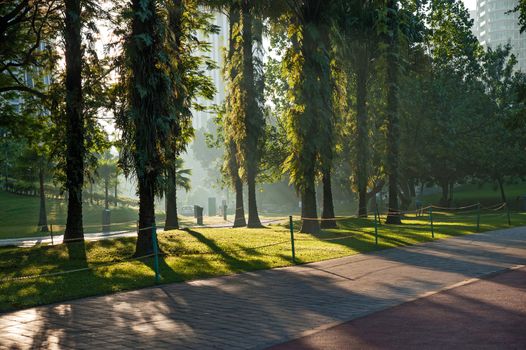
x: 116, y: 200
x: 75, y: 122
x: 106, y: 193
x: 239, y: 220
x: 502, y: 193
x: 172, y: 222
x: 91, y: 192
x: 42, y: 219
x: 328, y: 205
x: 144, y: 67
x: 444, y: 200
x: 361, y: 136
x: 144, y: 245
x: 309, y: 214
x: 393, y: 127
x: 253, y: 119
x: 253, y: 216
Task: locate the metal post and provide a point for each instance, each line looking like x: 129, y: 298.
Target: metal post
x: 478, y: 217
x: 378, y: 214
x: 375, y: 229
x: 51, y: 233
x: 155, y: 253
x: 291, y: 225
x: 509, y: 214
x: 431, y: 222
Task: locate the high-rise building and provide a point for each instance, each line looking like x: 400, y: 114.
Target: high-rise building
x: 495, y: 24
x: 218, y: 43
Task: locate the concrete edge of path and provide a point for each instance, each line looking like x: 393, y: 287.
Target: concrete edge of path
x: 421, y: 296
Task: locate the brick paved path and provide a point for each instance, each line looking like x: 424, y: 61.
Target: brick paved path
x: 259, y: 309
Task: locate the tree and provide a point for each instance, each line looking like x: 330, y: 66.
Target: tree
x: 232, y: 165
x: 499, y: 151
x: 148, y: 122
x: 356, y: 48
x: 25, y: 27
x: 251, y: 121
x: 184, y: 18
x: 521, y: 9
x: 107, y: 170
x: 309, y: 118
x: 181, y: 180
x: 75, y: 148
x: 393, y: 127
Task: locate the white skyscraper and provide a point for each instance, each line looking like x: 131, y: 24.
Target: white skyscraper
x: 496, y: 25
x: 218, y: 43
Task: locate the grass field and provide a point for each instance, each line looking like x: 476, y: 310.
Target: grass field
x: 205, y: 252
x: 486, y: 194
x: 19, y: 216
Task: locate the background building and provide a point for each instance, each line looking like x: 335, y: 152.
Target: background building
x: 494, y: 26
x: 218, y: 43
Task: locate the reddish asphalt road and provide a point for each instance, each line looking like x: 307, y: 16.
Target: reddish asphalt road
x: 487, y: 314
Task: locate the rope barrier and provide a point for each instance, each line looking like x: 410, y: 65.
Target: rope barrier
x: 338, y: 218
x: 327, y: 239
x: 457, y: 208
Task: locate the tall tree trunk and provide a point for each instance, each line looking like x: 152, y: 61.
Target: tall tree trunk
x: 309, y: 214
x: 42, y: 218
x: 75, y: 122
x: 253, y: 216
x: 444, y: 200
x: 172, y: 222
x: 144, y: 245
x: 91, y: 192
x: 233, y: 164
x: 328, y: 205
x: 149, y: 105
x: 116, y: 193
x: 239, y: 220
x: 502, y: 193
x: 253, y: 118
x: 393, y: 127
x: 106, y: 193
x: 361, y: 124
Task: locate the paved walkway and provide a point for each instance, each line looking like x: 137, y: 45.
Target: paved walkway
x: 260, y: 309
x: 487, y: 314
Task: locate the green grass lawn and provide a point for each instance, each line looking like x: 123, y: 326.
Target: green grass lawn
x: 486, y: 194
x: 19, y: 216
x: 205, y: 252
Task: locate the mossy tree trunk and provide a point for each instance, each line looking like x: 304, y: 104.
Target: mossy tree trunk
x: 75, y: 148
x: 393, y: 126
x: 328, y: 204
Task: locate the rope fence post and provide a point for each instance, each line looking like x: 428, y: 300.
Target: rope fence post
x: 291, y: 225
x: 51, y: 233
x: 155, y: 253
x: 509, y: 214
x: 478, y: 217
x: 375, y: 229
x: 431, y: 222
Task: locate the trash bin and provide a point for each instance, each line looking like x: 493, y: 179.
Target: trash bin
x: 198, y: 211
x: 212, y: 206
